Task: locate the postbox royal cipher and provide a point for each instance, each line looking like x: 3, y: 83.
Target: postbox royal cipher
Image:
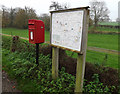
x: 36, y: 31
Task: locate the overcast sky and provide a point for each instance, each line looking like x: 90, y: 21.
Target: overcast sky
x: 42, y: 6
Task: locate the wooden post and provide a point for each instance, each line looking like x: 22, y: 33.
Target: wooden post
x: 81, y: 57
x: 55, y: 62
x: 80, y: 73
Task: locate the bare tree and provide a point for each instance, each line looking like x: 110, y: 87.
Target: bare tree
x: 46, y: 19
x: 12, y: 16
x: 22, y: 17
x: 99, y: 12
x: 57, y: 6
x: 65, y: 5
x: 5, y: 16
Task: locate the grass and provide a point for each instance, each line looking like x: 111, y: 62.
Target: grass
x: 17, y: 32
x: 109, y: 23
x: 21, y: 32
x: 91, y: 56
x: 103, y: 41
x: 99, y: 58
x: 104, y: 29
x: 107, y: 29
x: 94, y: 40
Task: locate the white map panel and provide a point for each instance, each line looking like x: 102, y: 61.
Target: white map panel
x: 67, y: 29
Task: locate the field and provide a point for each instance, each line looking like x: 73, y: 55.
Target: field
x: 20, y: 32
x: 94, y: 40
x: 103, y: 41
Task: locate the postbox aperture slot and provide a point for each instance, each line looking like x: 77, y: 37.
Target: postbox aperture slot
x: 31, y: 24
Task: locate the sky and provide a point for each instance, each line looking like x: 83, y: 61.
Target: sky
x: 42, y: 6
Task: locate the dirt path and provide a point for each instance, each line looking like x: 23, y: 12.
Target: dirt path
x: 7, y: 84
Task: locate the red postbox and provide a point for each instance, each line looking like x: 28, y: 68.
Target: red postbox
x: 36, y: 31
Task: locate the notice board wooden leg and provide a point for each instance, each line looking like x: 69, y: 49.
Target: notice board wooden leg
x: 80, y: 73
x: 55, y: 62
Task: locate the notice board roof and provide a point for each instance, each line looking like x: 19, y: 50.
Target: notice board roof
x: 70, y: 9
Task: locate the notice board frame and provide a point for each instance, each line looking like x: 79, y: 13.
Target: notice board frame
x: 84, y: 28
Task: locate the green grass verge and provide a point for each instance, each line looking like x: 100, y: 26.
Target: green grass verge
x: 98, y: 58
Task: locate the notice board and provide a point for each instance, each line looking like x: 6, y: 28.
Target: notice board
x: 67, y: 29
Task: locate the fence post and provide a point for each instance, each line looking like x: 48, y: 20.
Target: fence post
x: 80, y: 70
